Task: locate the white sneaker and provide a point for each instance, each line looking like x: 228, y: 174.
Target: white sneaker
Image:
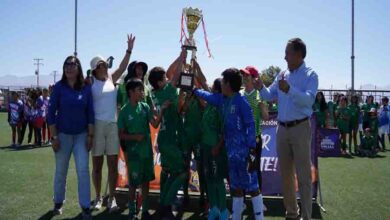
x: 97, y: 204
x: 112, y: 206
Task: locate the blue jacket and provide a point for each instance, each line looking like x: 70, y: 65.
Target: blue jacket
x: 71, y: 110
x: 238, y: 123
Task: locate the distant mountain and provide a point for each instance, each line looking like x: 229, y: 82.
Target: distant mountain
x: 28, y: 81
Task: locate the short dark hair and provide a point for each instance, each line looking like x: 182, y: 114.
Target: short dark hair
x: 298, y: 45
x: 217, y: 85
x: 133, y: 83
x: 155, y: 75
x: 233, y: 77
x: 385, y: 99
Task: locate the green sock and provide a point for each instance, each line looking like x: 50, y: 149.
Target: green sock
x: 221, y: 194
x: 212, y: 193
x: 132, y: 207
x: 163, y: 180
x: 145, y: 205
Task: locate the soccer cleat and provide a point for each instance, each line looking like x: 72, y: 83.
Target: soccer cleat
x: 112, y: 206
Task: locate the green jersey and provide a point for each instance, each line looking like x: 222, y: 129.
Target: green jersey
x: 191, y: 125
x: 368, y: 142
x: 321, y: 115
x: 135, y: 120
x: 170, y: 119
x: 373, y: 125
x: 253, y: 98
x: 366, y: 108
x: 343, y: 119
x: 122, y: 97
x: 211, y: 126
x: 355, y: 111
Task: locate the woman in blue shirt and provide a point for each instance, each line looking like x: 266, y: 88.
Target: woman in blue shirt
x: 71, y: 119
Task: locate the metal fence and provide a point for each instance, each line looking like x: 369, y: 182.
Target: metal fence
x: 377, y: 94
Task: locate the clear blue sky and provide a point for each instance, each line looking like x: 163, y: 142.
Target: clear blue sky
x: 240, y: 33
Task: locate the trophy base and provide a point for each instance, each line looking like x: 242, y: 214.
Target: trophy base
x: 188, y: 47
x: 186, y: 81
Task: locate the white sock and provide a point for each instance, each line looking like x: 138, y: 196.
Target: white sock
x: 238, y: 203
x: 257, y: 203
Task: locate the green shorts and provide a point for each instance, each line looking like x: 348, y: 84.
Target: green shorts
x: 215, y: 167
x: 140, y: 171
x: 172, y: 159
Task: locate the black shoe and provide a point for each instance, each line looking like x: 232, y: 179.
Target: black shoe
x: 146, y: 216
x: 169, y: 215
x: 132, y: 216
x: 86, y: 213
x: 57, y: 210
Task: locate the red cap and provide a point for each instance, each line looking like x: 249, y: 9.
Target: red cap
x: 250, y: 70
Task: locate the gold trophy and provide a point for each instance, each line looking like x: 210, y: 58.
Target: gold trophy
x: 192, y: 20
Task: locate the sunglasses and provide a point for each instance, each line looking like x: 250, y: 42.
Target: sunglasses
x: 70, y: 65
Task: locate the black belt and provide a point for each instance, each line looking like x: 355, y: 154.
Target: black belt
x: 289, y: 124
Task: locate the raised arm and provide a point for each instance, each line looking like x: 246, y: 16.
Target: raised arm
x: 180, y: 61
x: 215, y: 99
x: 125, y: 61
x: 269, y: 93
x: 200, y: 76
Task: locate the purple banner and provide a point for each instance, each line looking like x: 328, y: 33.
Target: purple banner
x: 328, y: 144
x: 270, y: 162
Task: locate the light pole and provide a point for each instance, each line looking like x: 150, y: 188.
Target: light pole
x: 38, y: 63
x: 54, y: 74
x: 353, y: 48
x: 75, y: 28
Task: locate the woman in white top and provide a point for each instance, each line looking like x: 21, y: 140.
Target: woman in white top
x: 106, y: 132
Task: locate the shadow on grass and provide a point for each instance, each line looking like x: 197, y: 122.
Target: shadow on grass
x: 23, y: 147
x: 49, y: 215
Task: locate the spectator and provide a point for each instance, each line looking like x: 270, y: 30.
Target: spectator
x: 343, y: 116
x: 367, y: 146
x: 15, y: 115
x: 71, y: 119
x: 366, y: 107
x: 354, y: 110
x: 384, y: 115
x: 106, y: 140
x: 320, y: 109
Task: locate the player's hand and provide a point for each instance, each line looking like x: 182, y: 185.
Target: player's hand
x: 283, y: 84
x: 258, y: 83
x: 139, y: 137
x: 55, y: 144
x: 130, y: 42
x: 89, y: 142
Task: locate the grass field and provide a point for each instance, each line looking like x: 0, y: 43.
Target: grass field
x: 356, y: 188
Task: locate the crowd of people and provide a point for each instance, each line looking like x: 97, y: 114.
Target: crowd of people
x: 368, y: 121
x: 217, y: 126
x: 29, y: 113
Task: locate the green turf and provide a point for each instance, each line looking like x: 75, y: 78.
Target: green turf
x: 355, y: 188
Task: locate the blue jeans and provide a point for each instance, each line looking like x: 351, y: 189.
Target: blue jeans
x: 77, y: 145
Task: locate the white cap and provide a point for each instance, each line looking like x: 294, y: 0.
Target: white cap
x: 96, y: 60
